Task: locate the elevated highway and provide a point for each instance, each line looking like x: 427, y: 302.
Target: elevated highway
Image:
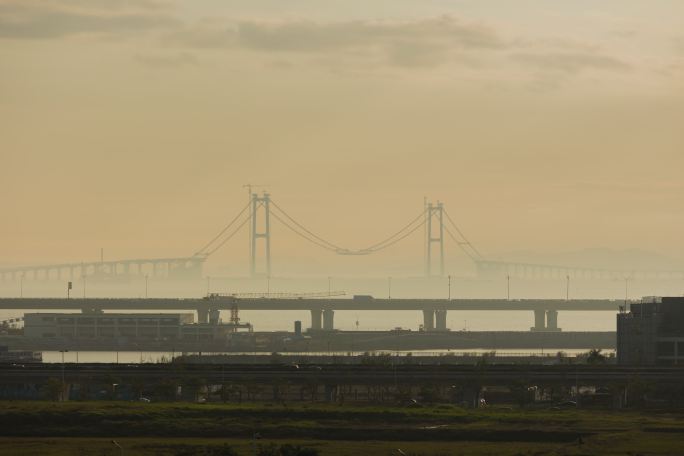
x: 322, y: 310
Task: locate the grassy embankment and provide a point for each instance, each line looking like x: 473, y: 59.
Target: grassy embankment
x: 87, y: 428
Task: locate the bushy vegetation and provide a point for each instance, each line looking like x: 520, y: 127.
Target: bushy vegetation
x: 176, y: 429
x: 286, y: 450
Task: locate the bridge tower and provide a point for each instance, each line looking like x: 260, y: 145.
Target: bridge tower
x: 260, y: 205
x: 434, y: 214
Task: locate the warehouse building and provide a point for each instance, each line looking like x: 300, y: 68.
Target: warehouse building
x: 92, y: 326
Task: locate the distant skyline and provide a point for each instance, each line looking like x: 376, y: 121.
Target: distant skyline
x: 543, y: 126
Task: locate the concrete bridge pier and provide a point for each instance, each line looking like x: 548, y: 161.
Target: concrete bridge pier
x: 539, y: 321
x: 214, y: 316
x: 316, y: 319
x: 202, y: 315
x: 428, y: 320
x: 441, y: 320
x: 545, y: 320
x: 328, y: 319
x: 552, y: 320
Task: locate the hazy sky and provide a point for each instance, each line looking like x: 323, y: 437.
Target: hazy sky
x: 133, y: 124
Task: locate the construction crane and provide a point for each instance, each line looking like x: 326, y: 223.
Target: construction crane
x: 315, y: 294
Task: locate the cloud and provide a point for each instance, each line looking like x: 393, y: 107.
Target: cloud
x: 353, y: 45
x: 205, y: 34
x: 308, y: 36
x: 678, y: 43
x: 417, y: 54
x: 571, y: 62
x: 33, y: 19
x: 419, y: 43
x: 167, y: 60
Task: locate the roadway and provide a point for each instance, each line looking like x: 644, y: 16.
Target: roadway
x: 363, y: 303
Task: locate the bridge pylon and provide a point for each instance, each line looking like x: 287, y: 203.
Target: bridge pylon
x: 434, y: 234
x: 260, y: 205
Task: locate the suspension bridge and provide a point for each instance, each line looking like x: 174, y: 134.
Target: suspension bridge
x: 435, y: 221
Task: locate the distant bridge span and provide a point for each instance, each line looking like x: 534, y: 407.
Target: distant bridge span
x: 180, y: 267
x: 435, y: 222
x: 492, y: 268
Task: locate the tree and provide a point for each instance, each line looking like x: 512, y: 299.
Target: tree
x: 193, y: 386
x: 229, y: 391
x: 53, y: 389
x: 286, y: 450
x: 223, y: 450
x: 165, y: 389
x: 296, y: 450
x: 594, y: 356
x: 429, y: 393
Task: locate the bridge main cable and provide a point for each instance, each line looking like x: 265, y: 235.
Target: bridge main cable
x: 391, y: 240
x: 203, y: 251
x: 310, y: 236
x: 478, y: 255
x: 328, y: 245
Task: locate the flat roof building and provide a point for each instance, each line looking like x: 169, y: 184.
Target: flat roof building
x: 93, y: 326
x: 652, y: 332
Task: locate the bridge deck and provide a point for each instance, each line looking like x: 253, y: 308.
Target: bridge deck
x: 312, y: 304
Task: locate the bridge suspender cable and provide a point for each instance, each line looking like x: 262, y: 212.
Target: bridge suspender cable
x: 226, y: 239
x: 203, y: 250
x: 398, y: 235
x: 330, y: 245
x: 464, y: 242
x: 323, y: 243
x: 303, y: 235
x: 461, y: 245
x: 299, y: 229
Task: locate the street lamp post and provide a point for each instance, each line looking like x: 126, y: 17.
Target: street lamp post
x: 63, y: 382
x: 508, y: 287
x: 626, y: 282
x: 389, y: 288
x: 449, y: 288
x: 567, y: 287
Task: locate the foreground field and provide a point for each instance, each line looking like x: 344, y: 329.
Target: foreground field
x: 29, y: 428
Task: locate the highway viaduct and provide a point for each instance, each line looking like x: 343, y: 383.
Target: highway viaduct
x: 322, y: 310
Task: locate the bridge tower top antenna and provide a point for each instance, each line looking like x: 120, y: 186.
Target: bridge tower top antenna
x: 249, y: 188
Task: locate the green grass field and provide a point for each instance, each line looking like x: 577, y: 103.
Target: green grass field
x: 87, y: 428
